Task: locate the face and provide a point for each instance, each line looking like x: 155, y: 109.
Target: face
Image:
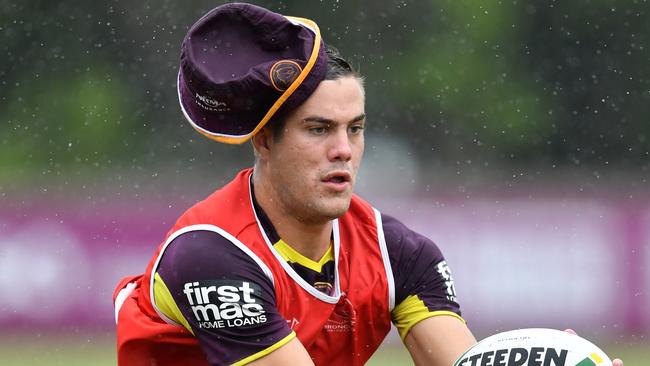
x: 313, y: 165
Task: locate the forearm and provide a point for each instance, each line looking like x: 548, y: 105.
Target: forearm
x: 438, y: 341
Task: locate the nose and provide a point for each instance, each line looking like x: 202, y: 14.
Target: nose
x: 340, y: 147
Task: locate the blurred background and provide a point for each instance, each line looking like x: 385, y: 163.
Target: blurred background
x: 515, y: 134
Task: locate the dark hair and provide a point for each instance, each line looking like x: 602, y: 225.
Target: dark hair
x: 337, y: 67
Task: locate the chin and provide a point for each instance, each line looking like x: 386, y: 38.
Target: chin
x: 336, y: 210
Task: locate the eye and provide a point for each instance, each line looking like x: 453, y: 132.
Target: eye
x: 356, y: 129
x: 320, y: 130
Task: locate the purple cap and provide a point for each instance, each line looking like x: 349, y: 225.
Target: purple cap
x: 242, y: 64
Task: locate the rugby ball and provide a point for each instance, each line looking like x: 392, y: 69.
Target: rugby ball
x: 534, y: 347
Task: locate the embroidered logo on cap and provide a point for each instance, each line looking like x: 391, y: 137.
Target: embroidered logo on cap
x: 210, y: 104
x: 283, y: 73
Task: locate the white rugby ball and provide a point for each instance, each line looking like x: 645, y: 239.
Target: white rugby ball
x: 534, y: 347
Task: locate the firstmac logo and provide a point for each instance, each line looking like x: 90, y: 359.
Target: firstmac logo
x: 225, y: 303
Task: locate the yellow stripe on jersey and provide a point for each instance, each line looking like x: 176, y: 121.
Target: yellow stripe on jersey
x: 266, y: 351
x: 166, y: 304
x: 411, y: 311
x: 291, y: 255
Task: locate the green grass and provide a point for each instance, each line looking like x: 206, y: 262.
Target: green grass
x: 99, y: 350
x: 57, y: 349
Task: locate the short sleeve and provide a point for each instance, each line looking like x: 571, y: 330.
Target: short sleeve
x: 213, y: 288
x: 424, y: 286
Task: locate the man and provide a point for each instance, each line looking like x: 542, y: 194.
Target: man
x: 284, y: 265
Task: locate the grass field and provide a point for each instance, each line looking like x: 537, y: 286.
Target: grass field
x: 99, y: 350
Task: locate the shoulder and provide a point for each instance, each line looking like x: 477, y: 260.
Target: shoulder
x: 417, y: 263
x: 209, y: 250
x: 228, y: 207
x: 403, y: 243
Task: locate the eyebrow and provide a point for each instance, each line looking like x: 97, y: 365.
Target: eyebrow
x: 327, y: 120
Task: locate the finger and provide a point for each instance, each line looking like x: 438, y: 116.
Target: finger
x: 617, y: 362
x: 571, y: 331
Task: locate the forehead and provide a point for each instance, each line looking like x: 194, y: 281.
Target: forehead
x: 338, y: 100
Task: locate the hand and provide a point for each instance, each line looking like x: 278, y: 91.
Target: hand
x: 615, y: 362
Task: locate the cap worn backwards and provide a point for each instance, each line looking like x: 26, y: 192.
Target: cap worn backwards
x: 242, y: 64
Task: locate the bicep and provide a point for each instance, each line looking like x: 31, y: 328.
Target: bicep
x: 438, y: 340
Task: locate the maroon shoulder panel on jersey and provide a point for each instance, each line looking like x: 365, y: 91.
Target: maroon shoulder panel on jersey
x: 419, y: 268
x: 223, y: 294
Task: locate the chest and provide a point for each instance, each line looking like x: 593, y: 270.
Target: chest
x: 360, y: 298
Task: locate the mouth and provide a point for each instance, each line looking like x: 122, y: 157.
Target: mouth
x: 337, y: 180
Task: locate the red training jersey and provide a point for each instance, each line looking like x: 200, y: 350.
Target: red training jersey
x: 344, y: 327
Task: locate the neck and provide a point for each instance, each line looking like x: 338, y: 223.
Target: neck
x: 309, y: 238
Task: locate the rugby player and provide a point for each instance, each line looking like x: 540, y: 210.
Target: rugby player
x: 284, y: 265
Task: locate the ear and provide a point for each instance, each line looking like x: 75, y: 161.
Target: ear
x: 263, y: 142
